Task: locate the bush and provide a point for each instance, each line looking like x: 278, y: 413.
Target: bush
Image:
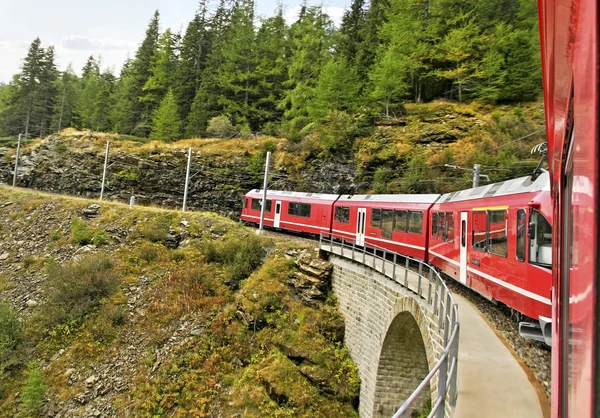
x: 99, y: 238
x: 75, y: 289
x: 55, y: 235
x: 221, y: 127
x: 148, y: 252
x: 155, y: 230
x: 240, y: 255
x: 80, y: 231
x: 11, y: 332
x: 34, y: 393
x: 245, y: 131
x: 338, y: 132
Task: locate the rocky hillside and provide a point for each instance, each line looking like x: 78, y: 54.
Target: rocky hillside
x: 406, y: 154
x: 108, y: 311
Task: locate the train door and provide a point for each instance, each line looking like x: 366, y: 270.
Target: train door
x: 277, y: 216
x: 463, y: 247
x: 360, y: 226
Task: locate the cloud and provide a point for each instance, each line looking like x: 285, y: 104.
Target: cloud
x: 335, y: 13
x: 83, y: 43
x: 13, y: 45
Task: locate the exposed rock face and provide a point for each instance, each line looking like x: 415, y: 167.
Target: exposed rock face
x: 157, y: 177
x: 313, y: 280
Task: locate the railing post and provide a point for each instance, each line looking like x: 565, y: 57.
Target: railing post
x: 442, y: 382
x: 436, y: 310
x: 406, y: 273
x: 419, y: 280
x: 383, y: 264
x: 442, y: 307
x: 342, y: 251
x: 447, y: 314
x: 430, y: 285
x: 353, y: 246
x: 394, y: 267
x: 364, y: 253
x: 454, y: 352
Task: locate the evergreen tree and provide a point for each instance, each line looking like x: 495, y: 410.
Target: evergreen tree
x: 351, y: 32
x: 337, y: 89
x: 370, y: 37
x: 90, y: 85
x: 163, y: 70
x: 26, y: 101
x: 165, y: 120
x: 388, y: 79
x: 66, y: 103
x: 48, y: 80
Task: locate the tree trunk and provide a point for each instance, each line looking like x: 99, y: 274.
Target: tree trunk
x: 62, y: 107
x: 459, y: 87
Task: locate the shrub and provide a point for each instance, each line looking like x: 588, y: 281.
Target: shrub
x: 55, y: 235
x: 99, y: 238
x: 245, y: 131
x: 240, y: 255
x: 148, y: 252
x: 177, y: 256
x: 221, y: 127
x: 11, y: 332
x: 75, y: 289
x: 338, y: 132
x: 34, y: 393
x: 155, y: 230
x: 80, y: 231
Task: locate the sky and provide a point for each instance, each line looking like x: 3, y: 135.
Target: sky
x: 112, y: 29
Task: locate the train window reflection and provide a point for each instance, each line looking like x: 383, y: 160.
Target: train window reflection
x: 450, y: 227
x: 415, y: 222
x: 342, y: 214
x: 480, y: 231
x: 434, y: 224
x: 498, y: 232
x: 376, y: 218
x: 521, y: 233
x: 540, y: 240
x: 401, y: 221
x: 387, y: 223
x: 257, y: 206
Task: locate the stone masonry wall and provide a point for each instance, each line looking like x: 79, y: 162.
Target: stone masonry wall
x: 392, y: 337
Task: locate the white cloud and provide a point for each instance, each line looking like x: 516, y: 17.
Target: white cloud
x: 83, y: 43
x: 334, y: 12
x: 13, y: 45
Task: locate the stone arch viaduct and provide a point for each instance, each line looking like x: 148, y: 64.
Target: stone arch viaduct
x: 399, y: 325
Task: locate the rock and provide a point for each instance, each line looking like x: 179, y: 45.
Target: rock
x: 4, y: 256
x: 89, y: 382
x: 173, y: 239
x: 91, y: 211
x: 5, y: 204
x: 32, y: 303
x: 197, y: 331
x: 185, y: 222
x: 69, y: 372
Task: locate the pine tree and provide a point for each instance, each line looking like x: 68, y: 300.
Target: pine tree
x: 370, y: 38
x: 90, y: 85
x: 66, y: 102
x: 165, y: 120
x: 337, y: 89
x: 48, y: 79
x: 102, y: 102
x: 163, y: 70
x: 388, y: 78
x: 26, y: 101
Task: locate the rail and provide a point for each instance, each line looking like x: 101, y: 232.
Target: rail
x: 432, y: 292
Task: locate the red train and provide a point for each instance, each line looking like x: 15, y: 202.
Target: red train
x: 570, y: 68
x: 495, y: 239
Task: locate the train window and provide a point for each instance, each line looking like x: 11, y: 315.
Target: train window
x: 463, y: 233
x: 245, y: 203
x: 299, y: 209
x: 521, y: 233
x: 415, y: 222
x: 441, y: 234
x: 376, y: 218
x: 387, y: 223
x: 480, y: 231
x: 434, y: 224
x: 498, y: 232
x: 540, y: 240
x: 342, y: 214
x: 257, y: 206
x: 400, y: 220
x: 449, y: 227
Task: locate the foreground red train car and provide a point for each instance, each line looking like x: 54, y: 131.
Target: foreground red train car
x: 570, y: 60
x: 497, y: 240
x: 395, y: 222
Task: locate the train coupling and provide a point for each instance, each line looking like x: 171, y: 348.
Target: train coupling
x: 541, y: 331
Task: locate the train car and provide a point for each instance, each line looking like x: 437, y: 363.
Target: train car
x: 497, y: 240
x: 394, y: 222
x: 292, y: 211
x: 570, y: 68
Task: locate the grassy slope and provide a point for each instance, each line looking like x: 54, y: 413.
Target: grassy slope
x: 171, y: 339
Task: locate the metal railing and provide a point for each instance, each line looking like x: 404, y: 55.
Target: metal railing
x: 432, y: 293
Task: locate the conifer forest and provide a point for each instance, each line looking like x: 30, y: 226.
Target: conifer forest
x: 266, y: 76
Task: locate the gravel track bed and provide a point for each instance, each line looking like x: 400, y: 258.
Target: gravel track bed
x: 535, y: 355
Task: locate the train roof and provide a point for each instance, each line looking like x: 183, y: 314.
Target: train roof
x: 279, y: 193
x: 391, y: 198
x: 503, y: 188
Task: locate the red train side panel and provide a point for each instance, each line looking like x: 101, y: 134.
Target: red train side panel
x: 496, y: 239
x: 300, y: 212
x: 398, y: 223
x: 570, y: 62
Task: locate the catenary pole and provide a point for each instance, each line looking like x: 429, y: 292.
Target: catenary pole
x: 17, y: 160
x: 476, y: 173
x: 264, y: 200
x: 104, y: 171
x: 187, y: 180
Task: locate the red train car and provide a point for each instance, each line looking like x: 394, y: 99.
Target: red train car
x: 301, y: 212
x: 395, y: 222
x: 497, y: 240
x: 570, y: 63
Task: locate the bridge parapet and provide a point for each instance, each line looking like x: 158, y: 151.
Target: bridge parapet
x: 401, y: 329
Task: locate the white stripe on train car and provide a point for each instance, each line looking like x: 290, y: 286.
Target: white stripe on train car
x: 257, y: 217
x: 343, y: 232
x: 502, y: 283
x: 396, y: 242
x: 308, y: 226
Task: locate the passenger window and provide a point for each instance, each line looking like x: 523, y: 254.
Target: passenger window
x: 479, y: 231
x: 441, y: 235
x: 376, y: 218
x: 415, y: 222
x: 277, y: 208
x: 521, y: 233
x: 387, y: 223
x: 245, y: 203
x: 305, y: 210
x: 434, y: 224
x: 463, y: 233
x: 498, y: 232
x: 400, y: 220
x: 450, y: 227
x: 540, y: 240
x: 342, y: 214
x: 257, y: 206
